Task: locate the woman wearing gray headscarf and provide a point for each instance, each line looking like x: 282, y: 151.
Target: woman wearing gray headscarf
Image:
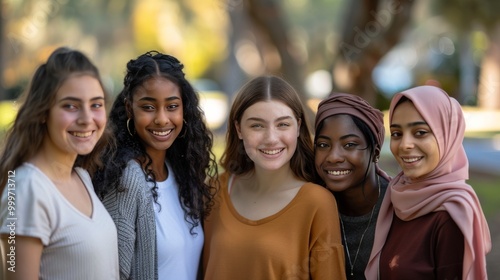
x: 349, y: 134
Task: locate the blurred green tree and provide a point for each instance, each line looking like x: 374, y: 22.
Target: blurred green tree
x: 467, y: 16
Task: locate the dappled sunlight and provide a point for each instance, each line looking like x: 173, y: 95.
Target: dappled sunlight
x: 248, y: 58
x: 481, y: 120
x: 8, y: 111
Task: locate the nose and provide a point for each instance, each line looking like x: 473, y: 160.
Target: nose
x: 85, y: 116
x: 161, y: 118
x: 406, y: 142
x: 271, y: 135
x: 335, y: 154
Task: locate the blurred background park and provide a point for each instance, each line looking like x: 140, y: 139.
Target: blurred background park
x: 372, y: 48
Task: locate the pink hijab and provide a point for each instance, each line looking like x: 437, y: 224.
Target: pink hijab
x: 443, y: 189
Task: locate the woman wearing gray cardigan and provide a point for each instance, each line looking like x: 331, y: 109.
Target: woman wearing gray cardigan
x: 154, y: 180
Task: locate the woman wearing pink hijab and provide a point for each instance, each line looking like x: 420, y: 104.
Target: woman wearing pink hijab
x: 432, y: 227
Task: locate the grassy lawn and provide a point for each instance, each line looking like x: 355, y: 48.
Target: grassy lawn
x: 488, y: 190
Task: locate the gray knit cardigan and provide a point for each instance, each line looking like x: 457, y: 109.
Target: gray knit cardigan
x: 133, y: 213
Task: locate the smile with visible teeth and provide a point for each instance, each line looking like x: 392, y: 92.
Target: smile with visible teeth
x: 161, y: 133
x: 410, y: 160
x: 81, y: 134
x: 337, y: 173
x: 272, y: 152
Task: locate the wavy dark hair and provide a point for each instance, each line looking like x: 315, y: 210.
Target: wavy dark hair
x: 24, y: 139
x: 266, y: 88
x: 194, y: 165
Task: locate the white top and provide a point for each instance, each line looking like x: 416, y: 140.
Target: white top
x: 75, y: 245
x: 179, y: 251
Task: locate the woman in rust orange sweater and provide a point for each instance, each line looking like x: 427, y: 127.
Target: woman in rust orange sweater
x: 269, y: 221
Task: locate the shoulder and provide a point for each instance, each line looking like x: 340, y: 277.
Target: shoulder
x: 438, y: 221
x: 316, y: 190
x: 133, y: 168
x: 84, y: 175
x: 28, y: 179
x: 26, y: 172
x: 133, y: 188
x: 133, y: 176
x: 317, y: 195
x: 443, y: 219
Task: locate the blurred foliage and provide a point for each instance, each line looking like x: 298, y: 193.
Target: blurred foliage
x: 466, y: 14
x: 111, y: 33
x: 8, y: 110
x: 314, y: 30
x: 194, y: 31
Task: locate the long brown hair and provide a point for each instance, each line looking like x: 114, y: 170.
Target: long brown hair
x: 24, y: 139
x: 265, y: 88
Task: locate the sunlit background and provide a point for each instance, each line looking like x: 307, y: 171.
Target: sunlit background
x: 369, y: 48
x: 372, y: 50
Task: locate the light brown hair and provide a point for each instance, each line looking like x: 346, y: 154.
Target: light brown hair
x: 266, y: 88
x: 25, y: 137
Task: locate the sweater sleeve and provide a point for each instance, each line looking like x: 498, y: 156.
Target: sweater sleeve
x: 133, y: 215
x: 123, y: 209
x: 327, y: 252
x: 449, y: 252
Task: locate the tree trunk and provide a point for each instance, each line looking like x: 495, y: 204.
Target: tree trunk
x: 468, y: 85
x: 269, y: 20
x: 373, y: 28
x: 489, y: 80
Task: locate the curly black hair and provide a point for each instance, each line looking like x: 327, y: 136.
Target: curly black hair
x: 195, y: 167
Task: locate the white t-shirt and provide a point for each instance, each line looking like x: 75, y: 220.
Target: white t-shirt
x: 179, y: 251
x: 75, y: 246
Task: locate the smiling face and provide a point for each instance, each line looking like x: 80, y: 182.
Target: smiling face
x: 157, y: 114
x: 412, y: 142
x: 77, y: 119
x: 269, y: 131
x: 341, y: 155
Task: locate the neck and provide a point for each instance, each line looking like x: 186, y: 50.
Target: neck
x: 57, y: 169
x: 157, y: 165
x: 359, y: 200
x: 268, y: 181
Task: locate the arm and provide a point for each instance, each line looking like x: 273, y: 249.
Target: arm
x: 449, y: 254
x: 132, y: 212
x: 327, y: 253
x: 26, y: 263
x: 25, y: 228
x: 123, y: 210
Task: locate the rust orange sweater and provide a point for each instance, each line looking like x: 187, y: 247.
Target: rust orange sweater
x: 302, y: 241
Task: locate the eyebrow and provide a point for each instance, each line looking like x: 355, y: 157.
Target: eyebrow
x: 410, y: 124
x: 341, y: 138
x: 147, y: 98
x: 70, y: 98
x: 277, y: 120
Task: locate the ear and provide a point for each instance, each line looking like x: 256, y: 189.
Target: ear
x: 299, y: 123
x: 376, y: 154
x: 128, y: 108
x: 238, y: 129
